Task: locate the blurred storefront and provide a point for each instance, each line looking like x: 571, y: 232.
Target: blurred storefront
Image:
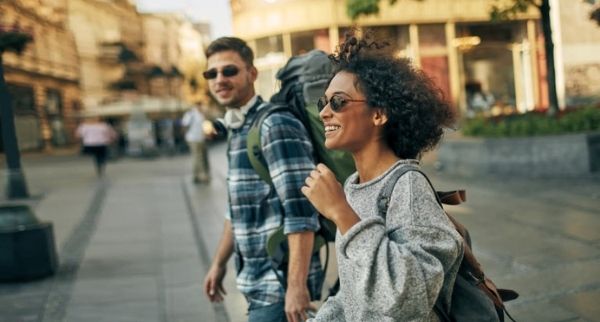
x: 43, y: 81
x: 480, y: 66
x: 577, y: 41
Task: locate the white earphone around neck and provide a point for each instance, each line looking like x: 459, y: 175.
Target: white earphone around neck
x: 234, y: 117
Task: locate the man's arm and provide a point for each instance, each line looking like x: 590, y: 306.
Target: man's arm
x: 297, y: 297
x: 288, y: 151
x: 213, y: 282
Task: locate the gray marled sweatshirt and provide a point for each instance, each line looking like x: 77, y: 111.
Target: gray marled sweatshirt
x: 394, y: 270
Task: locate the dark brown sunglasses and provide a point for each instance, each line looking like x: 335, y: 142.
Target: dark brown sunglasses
x: 227, y: 71
x: 336, y: 102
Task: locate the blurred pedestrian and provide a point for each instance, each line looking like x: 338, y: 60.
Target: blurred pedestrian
x: 96, y: 136
x: 386, y: 114
x: 193, y: 121
x: 257, y: 208
x: 478, y: 101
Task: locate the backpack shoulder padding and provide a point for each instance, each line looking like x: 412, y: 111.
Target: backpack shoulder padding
x: 253, y: 144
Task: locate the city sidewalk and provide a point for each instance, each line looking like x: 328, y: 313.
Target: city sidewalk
x: 129, y: 244
x: 136, y: 245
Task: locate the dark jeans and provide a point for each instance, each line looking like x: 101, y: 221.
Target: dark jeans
x: 271, y: 313
x: 100, y: 153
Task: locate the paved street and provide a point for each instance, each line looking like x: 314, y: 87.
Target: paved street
x: 136, y: 245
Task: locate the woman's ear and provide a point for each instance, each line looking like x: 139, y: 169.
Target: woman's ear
x: 379, y: 117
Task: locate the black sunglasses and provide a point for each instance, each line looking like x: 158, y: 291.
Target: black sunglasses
x: 336, y: 102
x: 227, y: 71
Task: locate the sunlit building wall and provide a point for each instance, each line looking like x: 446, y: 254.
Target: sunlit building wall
x: 193, y: 38
x: 110, y: 44
x: 43, y: 81
x: 163, y: 53
x: 451, y: 40
x: 175, y: 49
x: 578, y: 53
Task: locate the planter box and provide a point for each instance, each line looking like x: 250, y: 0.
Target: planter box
x: 544, y: 156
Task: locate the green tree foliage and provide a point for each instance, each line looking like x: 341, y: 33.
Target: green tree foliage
x: 356, y: 8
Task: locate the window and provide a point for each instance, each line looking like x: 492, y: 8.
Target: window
x: 269, y: 45
x: 306, y: 41
x: 53, y: 102
x: 397, y: 37
x: 23, y: 99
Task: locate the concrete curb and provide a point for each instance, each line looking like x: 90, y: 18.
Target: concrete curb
x: 573, y: 155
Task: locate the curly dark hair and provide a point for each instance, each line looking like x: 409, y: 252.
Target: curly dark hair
x: 231, y: 43
x: 416, y: 109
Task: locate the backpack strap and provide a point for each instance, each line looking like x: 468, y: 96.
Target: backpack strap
x: 455, y: 197
x: 470, y: 268
x: 253, y: 144
x: 383, y: 201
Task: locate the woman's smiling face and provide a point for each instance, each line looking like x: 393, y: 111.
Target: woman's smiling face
x: 351, y: 128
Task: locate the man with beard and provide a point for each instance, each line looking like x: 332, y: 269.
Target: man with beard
x: 257, y: 208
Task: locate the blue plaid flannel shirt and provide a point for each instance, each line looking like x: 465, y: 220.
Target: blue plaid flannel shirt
x: 256, y: 209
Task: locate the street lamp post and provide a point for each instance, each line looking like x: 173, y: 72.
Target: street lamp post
x: 27, y: 248
x: 12, y: 39
x: 16, y: 187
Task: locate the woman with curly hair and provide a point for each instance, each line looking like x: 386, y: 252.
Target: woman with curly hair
x: 386, y: 114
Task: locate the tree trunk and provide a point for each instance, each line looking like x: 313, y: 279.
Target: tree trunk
x: 549, y: 48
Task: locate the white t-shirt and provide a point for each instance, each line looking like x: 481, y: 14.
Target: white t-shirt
x: 193, y: 119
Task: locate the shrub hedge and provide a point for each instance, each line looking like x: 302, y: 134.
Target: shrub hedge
x: 575, y: 120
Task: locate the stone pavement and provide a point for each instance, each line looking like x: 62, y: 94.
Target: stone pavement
x: 539, y: 237
x: 129, y: 244
x: 136, y: 245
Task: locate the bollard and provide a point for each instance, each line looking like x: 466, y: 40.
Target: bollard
x: 27, y: 248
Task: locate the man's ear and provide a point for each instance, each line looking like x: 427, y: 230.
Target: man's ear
x: 379, y: 117
x: 253, y: 73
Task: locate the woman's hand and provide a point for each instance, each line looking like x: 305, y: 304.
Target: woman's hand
x: 326, y: 194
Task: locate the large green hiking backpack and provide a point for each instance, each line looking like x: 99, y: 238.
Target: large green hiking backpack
x: 303, y: 80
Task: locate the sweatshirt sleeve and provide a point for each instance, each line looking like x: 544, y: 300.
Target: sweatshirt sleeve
x: 398, y: 264
x: 331, y: 311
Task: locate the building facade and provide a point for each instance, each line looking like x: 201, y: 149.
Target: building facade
x: 162, y: 53
x: 175, y: 43
x: 451, y: 40
x: 193, y: 38
x: 175, y: 49
x: 44, y: 80
x: 577, y: 41
x: 110, y: 43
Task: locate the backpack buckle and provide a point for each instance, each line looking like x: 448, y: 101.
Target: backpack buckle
x: 478, y: 280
